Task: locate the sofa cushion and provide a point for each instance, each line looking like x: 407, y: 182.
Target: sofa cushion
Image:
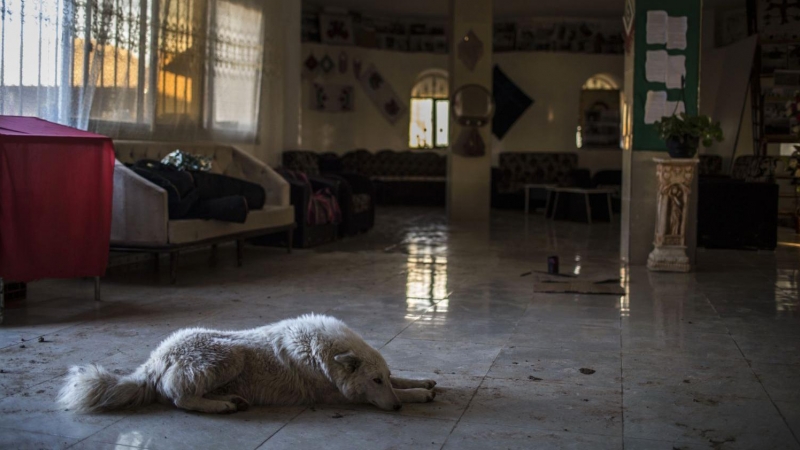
x: 193, y: 230
x: 406, y: 164
x: 361, y: 203
x: 520, y: 168
x: 709, y: 165
x: 301, y: 161
x: 356, y: 162
x: 758, y: 168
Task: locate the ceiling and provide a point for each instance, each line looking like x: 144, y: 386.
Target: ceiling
x: 502, y: 8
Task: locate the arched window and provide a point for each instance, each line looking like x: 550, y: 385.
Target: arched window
x: 600, y: 82
x: 599, y: 121
x: 430, y: 111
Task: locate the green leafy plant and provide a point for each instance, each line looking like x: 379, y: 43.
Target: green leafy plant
x: 689, y: 129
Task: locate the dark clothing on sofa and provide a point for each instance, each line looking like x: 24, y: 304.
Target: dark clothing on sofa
x: 203, y: 195
x: 212, y: 185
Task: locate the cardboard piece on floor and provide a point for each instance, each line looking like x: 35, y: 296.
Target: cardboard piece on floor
x: 577, y: 287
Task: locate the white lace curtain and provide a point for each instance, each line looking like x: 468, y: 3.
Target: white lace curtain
x: 135, y: 69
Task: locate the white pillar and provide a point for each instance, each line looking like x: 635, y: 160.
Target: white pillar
x: 469, y: 178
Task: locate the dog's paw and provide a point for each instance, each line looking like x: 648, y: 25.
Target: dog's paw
x: 430, y: 396
x: 229, y: 408
x: 240, y: 403
x: 429, y: 384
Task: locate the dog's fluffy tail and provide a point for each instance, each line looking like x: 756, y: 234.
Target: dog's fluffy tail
x: 92, y: 388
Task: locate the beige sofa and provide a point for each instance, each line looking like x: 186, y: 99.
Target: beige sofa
x: 140, y: 220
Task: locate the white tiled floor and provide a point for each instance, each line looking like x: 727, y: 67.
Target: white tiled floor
x: 709, y: 359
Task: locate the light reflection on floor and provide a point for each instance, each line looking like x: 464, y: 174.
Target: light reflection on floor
x: 426, y: 285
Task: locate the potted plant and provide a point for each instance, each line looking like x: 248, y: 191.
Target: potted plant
x: 683, y: 134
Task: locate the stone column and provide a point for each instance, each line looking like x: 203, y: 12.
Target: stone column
x: 469, y: 178
x: 675, y: 178
x: 639, y: 185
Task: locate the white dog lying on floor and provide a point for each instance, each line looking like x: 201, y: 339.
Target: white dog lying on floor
x: 310, y: 359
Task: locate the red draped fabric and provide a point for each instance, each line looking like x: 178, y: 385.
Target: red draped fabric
x: 56, y: 188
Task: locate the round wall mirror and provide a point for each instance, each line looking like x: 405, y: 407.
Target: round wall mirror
x: 472, y: 105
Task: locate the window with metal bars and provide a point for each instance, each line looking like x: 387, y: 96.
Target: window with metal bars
x: 134, y: 68
x: 430, y: 111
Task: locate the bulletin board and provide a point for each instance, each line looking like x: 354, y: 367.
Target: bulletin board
x: 645, y: 136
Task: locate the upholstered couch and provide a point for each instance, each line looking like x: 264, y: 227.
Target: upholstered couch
x: 314, y: 214
x: 355, y: 193
x: 410, y: 177
x: 140, y: 220
x: 740, y: 210
x: 516, y: 169
x: 709, y: 165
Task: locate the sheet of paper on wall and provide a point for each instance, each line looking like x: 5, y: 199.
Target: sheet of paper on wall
x: 657, y: 27
x: 676, y: 33
x: 654, y: 106
x: 676, y: 70
x: 655, y: 66
x: 675, y: 108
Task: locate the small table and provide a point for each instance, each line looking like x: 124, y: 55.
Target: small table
x: 528, y: 188
x: 56, y: 188
x: 588, y: 195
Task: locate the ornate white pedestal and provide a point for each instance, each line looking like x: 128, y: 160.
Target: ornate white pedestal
x: 674, y: 186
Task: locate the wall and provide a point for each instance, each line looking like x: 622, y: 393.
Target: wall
x: 277, y: 107
x: 553, y: 80
x: 365, y: 127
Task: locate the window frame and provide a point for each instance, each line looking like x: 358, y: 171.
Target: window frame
x: 435, y: 75
x: 144, y: 124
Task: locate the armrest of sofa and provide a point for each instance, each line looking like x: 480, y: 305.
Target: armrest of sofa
x: 275, y: 187
x: 359, y: 183
x: 140, y: 214
x: 300, y: 198
x: 324, y: 182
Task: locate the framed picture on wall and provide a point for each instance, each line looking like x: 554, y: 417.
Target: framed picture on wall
x: 505, y: 36
x: 600, y: 119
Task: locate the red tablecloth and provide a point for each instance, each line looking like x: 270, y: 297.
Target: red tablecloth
x: 56, y: 187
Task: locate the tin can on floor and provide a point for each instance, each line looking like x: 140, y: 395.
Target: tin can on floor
x: 552, y: 265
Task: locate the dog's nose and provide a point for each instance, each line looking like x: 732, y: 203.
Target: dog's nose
x: 398, y: 406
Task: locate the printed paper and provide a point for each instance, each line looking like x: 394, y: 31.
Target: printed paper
x: 675, y: 108
x: 675, y: 71
x: 676, y: 33
x: 654, y: 107
x: 657, y: 27
x: 655, y: 66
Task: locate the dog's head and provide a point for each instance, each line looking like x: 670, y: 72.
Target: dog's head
x: 366, y: 379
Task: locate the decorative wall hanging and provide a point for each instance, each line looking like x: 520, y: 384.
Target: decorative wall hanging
x: 327, y: 64
x: 605, y: 36
x: 343, y: 62
x: 472, y: 107
x: 470, y: 50
x: 309, y: 27
x: 357, y: 67
x: 332, y: 97
x: 382, y: 94
x: 311, y: 65
x: 627, y: 22
x: 575, y: 36
x: 336, y: 29
x: 510, y: 103
x: 504, y: 36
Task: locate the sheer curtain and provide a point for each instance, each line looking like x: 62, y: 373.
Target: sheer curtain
x: 135, y: 69
x: 234, y: 66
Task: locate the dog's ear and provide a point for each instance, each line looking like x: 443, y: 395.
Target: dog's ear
x: 349, y: 360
